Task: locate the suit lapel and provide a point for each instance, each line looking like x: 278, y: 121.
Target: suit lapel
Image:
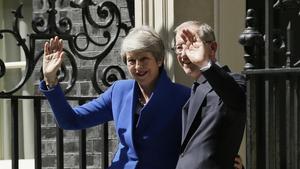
x: 185, y: 111
x: 193, y: 105
x: 133, y: 103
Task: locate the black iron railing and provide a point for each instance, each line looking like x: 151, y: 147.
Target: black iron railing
x: 273, y: 88
x: 109, y: 18
x: 37, y: 100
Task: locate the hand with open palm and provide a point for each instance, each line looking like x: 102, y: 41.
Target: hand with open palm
x: 196, y: 50
x: 53, y: 57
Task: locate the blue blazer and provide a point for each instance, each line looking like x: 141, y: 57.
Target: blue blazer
x: 153, y: 144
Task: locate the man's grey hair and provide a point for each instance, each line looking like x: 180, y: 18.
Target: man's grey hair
x: 143, y: 39
x: 205, y: 32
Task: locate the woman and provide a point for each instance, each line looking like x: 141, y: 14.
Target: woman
x: 146, y: 111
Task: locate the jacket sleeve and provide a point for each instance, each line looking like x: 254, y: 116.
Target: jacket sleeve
x: 230, y: 88
x: 87, y: 115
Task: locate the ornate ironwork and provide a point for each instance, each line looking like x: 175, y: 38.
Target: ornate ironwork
x: 20, y: 42
x: 2, y: 68
x: 46, y: 28
x: 272, y: 136
x: 292, y: 9
x: 251, y: 39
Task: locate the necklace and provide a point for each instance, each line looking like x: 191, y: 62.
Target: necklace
x: 141, y: 101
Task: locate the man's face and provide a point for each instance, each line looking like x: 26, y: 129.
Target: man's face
x: 188, y: 67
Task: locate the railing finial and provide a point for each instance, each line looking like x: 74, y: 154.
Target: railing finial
x: 250, y: 39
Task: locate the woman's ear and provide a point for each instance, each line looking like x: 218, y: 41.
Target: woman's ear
x: 160, y: 62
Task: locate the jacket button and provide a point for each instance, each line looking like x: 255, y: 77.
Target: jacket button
x: 181, y: 155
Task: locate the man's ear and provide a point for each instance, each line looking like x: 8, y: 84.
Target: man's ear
x: 213, y: 46
x: 213, y: 50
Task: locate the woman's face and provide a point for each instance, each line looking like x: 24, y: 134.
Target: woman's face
x: 143, y: 67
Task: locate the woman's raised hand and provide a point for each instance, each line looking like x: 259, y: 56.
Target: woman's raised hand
x: 53, y: 57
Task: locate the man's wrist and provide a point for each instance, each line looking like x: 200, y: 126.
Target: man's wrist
x: 205, y: 67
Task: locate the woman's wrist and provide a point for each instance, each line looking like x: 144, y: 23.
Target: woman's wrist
x: 50, y: 83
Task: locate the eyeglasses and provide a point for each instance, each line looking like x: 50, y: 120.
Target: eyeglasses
x: 178, y: 49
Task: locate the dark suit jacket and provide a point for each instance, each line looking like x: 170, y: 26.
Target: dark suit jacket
x: 213, y: 121
x: 154, y: 143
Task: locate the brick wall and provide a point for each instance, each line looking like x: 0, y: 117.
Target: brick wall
x: 83, y: 87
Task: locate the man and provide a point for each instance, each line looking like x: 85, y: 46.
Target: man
x: 214, y: 117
